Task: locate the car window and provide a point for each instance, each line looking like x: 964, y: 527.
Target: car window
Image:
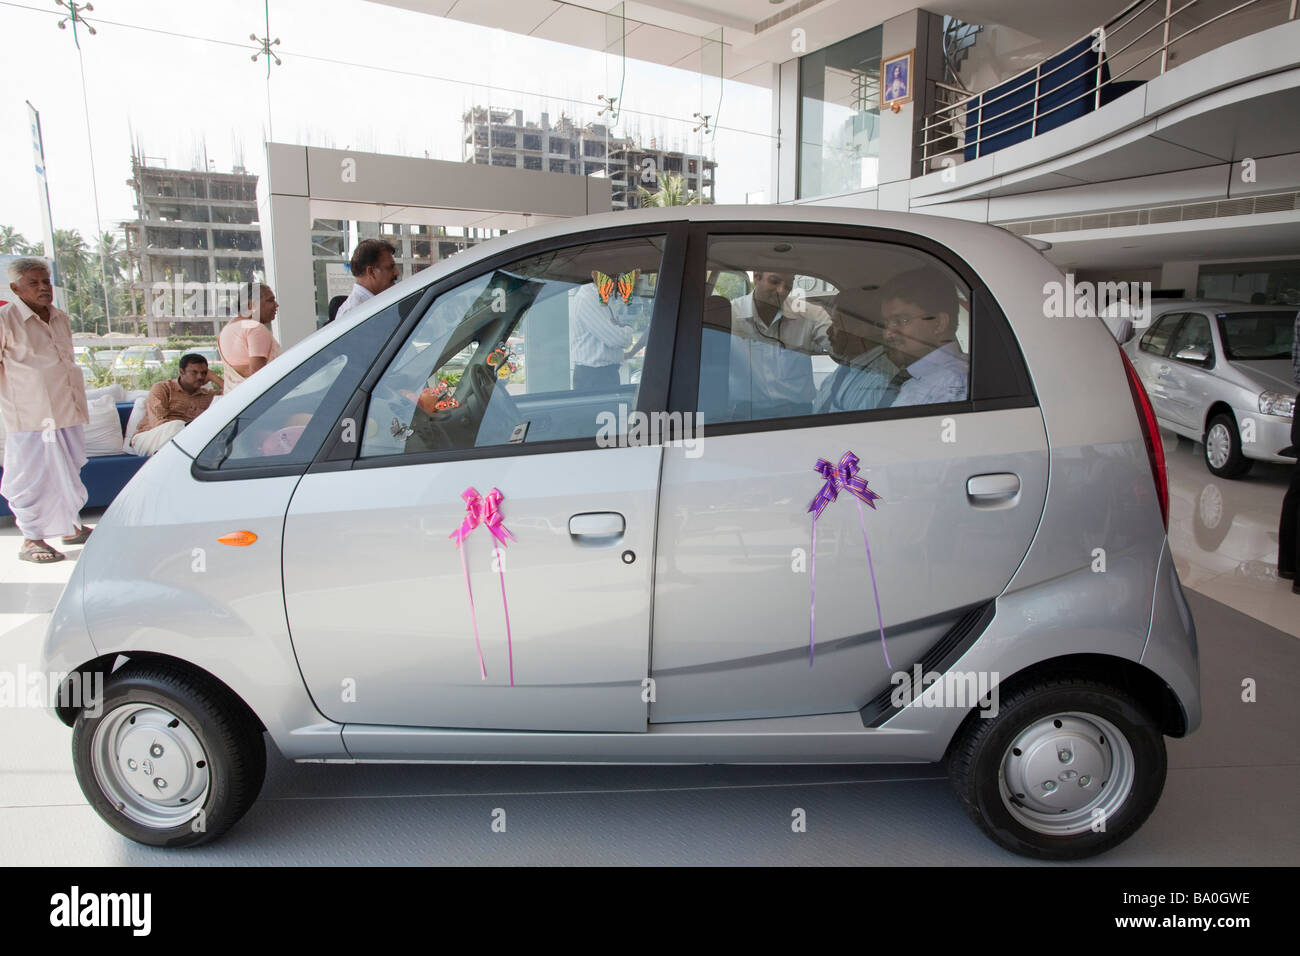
x: 287, y: 424
x: 829, y: 325
x: 547, y: 348
x: 1156, y: 340
x: 1257, y: 335
x: 1194, y: 334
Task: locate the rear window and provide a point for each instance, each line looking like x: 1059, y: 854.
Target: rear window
x: 1257, y: 335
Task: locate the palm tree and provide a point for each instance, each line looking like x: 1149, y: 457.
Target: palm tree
x: 78, y: 274
x: 672, y: 192
x: 12, y: 242
x: 113, y: 254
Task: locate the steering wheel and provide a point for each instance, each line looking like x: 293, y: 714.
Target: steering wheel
x: 490, y: 392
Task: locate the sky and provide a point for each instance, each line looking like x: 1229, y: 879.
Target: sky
x: 176, y: 77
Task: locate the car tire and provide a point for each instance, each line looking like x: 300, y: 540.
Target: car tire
x: 1102, y: 731
x: 189, y: 777
x: 1223, y: 445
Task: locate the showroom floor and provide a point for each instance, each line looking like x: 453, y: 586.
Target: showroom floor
x: 1229, y: 798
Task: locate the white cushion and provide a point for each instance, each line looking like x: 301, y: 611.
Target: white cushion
x: 117, y: 391
x: 135, y: 393
x: 133, y: 424
x: 104, y: 433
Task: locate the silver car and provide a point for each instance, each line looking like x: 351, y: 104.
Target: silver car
x: 1219, y: 373
x: 951, y: 548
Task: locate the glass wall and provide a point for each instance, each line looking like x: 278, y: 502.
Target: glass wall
x: 1259, y: 283
x: 179, y: 103
x: 839, y: 116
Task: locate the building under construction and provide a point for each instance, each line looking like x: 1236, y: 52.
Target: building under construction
x: 191, y: 225
x: 501, y: 137
x: 194, y: 225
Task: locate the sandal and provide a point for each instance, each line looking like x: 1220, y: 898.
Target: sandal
x: 40, y: 554
x: 80, y: 537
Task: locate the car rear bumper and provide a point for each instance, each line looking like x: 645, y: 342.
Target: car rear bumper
x: 1171, y: 652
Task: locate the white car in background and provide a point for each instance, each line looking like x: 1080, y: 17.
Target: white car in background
x: 134, y: 361
x: 1220, y: 373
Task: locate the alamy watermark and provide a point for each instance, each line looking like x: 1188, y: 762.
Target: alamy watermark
x: 127, y: 910
x: 961, y: 689
x: 1070, y: 299
x: 79, y: 690
x: 629, y: 429
x: 202, y: 300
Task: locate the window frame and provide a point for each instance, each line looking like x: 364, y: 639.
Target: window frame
x: 337, y: 455
x: 988, y: 323
x: 411, y: 303
x: 1176, y: 318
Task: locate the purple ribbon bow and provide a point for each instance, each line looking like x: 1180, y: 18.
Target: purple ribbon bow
x: 842, y: 477
x: 485, y: 510
x: 845, y: 476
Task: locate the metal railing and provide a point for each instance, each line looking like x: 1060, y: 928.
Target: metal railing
x: 944, y: 132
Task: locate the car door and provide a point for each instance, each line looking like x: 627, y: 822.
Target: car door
x: 503, y: 383
x: 1152, y: 363
x: 957, y: 454
x: 1186, y: 384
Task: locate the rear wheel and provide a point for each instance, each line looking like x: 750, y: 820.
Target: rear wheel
x: 1223, y: 454
x: 1069, y: 768
x: 169, y: 760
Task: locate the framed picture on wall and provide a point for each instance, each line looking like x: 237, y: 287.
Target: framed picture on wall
x: 896, y: 80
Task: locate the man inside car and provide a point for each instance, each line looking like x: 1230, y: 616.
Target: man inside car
x: 774, y: 335
x: 919, y: 361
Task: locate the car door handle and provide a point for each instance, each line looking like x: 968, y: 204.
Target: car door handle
x: 597, y: 524
x: 999, y: 490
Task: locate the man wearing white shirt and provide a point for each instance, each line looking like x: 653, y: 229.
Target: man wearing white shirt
x: 919, y: 361
x: 43, y: 404
x: 919, y: 312
x: 599, y: 340
x: 773, y: 339
x: 373, y: 270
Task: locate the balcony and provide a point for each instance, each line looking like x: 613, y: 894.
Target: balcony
x: 1137, y: 46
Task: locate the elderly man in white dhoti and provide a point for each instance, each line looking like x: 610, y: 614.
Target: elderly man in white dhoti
x: 43, y: 402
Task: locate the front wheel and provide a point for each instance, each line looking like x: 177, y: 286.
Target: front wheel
x: 168, y: 760
x: 1223, y: 455
x: 1068, y: 768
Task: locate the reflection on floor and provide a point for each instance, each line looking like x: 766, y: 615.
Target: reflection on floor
x: 1223, y: 534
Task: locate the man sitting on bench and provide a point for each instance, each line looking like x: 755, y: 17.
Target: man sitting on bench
x: 174, y: 403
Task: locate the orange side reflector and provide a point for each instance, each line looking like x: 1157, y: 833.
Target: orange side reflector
x: 238, y: 539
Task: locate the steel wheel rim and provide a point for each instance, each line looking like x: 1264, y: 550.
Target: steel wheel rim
x: 1217, y: 445
x: 150, y: 765
x: 1092, y: 784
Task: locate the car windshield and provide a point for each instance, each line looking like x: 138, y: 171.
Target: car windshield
x: 1257, y: 335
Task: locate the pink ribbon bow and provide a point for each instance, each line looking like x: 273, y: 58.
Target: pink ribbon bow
x: 485, y: 510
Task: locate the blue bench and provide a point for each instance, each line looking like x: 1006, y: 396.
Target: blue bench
x: 104, y: 476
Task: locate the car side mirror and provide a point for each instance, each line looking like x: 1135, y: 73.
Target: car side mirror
x: 1193, y: 354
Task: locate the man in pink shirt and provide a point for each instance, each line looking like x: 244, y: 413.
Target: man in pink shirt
x: 246, y: 343
x: 43, y: 402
